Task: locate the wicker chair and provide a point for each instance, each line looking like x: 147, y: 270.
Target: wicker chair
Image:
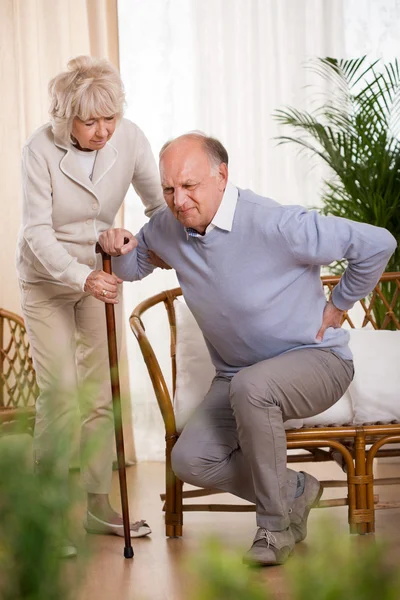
x: 18, y: 388
x: 357, y: 445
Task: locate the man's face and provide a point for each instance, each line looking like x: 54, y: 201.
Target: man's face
x: 192, y: 188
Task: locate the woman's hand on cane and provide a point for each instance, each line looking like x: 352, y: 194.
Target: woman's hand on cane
x: 103, y: 286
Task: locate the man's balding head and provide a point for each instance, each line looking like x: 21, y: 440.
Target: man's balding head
x: 215, y: 151
x: 194, y: 173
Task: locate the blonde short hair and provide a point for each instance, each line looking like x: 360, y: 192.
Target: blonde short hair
x: 91, y: 88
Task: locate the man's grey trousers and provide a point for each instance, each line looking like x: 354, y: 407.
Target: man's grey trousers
x: 236, y: 440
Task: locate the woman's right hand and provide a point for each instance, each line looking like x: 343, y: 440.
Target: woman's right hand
x: 103, y: 286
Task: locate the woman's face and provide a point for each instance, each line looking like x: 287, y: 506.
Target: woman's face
x: 94, y: 133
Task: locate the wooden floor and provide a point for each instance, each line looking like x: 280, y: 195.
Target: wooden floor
x: 158, y: 570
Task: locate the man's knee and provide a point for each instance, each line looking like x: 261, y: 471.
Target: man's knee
x: 193, y: 466
x: 246, y: 388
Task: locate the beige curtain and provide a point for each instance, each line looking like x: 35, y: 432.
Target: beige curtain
x: 37, y: 38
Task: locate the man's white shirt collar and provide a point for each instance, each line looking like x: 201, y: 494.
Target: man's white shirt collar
x: 223, y: 218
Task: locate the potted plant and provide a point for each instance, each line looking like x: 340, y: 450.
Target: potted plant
x: 355, y: 131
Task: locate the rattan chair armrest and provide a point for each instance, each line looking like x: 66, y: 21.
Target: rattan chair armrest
x: 7, y: 314
x: 16, y: 414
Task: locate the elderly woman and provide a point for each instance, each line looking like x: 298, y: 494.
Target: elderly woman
x: 76, y: 171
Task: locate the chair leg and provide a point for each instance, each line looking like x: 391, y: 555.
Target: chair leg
x: 370, y: 496
x: 173, y: 495
x: 351, y: 496
x: 365, y: 513
x: 169, y: 491
x: 178, y: 506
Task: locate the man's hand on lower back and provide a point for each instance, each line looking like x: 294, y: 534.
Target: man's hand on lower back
x: 332, y: 317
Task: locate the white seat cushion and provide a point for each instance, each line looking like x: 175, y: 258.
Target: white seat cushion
x: 373, y: 396
x: 375, y: 390
x: 340, y: 413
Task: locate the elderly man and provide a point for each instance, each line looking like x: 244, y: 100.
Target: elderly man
x: 249, y: 269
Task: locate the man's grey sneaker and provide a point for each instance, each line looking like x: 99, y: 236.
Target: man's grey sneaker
x: 270, y: 547
x: 302, y: 506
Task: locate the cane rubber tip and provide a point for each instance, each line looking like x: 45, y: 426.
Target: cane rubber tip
x: 128, y: 552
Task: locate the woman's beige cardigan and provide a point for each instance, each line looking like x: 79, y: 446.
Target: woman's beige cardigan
x: 64, y: 212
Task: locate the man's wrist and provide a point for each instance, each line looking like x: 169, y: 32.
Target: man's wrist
x: 330, y: 301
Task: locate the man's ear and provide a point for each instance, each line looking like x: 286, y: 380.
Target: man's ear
x: 222, y: 176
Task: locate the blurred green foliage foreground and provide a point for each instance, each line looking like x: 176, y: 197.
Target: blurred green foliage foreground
x: 33, y: 523
x: 34, y: 512
x: 333, y: 568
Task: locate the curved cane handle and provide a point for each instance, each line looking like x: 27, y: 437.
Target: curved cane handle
x: 99, y: 250
x: 106, y: 257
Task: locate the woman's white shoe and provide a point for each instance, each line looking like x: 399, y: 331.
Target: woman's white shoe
x: 97, y: 526
x: 65, y: 549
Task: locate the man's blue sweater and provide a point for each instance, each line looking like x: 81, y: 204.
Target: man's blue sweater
x: 255, y: 290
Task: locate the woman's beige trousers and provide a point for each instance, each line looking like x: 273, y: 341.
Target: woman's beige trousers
x: 67, y: 334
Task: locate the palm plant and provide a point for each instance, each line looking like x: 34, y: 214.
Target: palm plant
x: 355, y: 131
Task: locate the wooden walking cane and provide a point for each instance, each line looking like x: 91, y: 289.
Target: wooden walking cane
x: 116, y: 398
